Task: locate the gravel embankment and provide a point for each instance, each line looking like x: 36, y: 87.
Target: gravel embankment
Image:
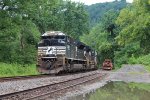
x: 15, y: 86
x: 131, y: 73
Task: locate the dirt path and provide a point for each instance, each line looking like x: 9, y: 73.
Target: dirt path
x: 131, y: 73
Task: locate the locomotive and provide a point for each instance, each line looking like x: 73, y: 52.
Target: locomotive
x: 59, y: 52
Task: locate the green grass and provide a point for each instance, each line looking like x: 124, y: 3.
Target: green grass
x: 141, y: 86
x: 144, y: 60
x: 7, y: 70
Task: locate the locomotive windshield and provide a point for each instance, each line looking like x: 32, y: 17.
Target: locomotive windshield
x: 54, y: 37
x: 52, y: 41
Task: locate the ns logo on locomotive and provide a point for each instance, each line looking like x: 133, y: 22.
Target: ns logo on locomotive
x: 58, y: 52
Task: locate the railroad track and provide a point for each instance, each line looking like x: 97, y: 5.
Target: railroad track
x: 52, y: 90
x: 16, y: 78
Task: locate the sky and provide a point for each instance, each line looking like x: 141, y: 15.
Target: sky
x: 89, y: 2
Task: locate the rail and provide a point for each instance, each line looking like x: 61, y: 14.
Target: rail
x: 51, y: 89
x: 16, y: 78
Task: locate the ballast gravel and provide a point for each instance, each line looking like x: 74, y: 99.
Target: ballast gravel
x: 20, y: 85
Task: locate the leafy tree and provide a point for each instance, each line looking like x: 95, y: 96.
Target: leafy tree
x: 18, y: 33
x: 46, y: 14
x: 135, y: 26
x: 75, y: 19
x: 133, y: 23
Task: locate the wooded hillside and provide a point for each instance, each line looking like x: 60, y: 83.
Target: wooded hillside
x: 123, y: 36
x: 97, y: 11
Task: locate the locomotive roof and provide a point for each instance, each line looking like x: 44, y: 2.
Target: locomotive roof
x: 87, y: 48
x: 78, y: 43
x: 52, y: 33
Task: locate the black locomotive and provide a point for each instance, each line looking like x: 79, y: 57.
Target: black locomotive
x: 58, y: 52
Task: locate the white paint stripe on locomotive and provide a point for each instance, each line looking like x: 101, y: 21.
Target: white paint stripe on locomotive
x: 49, y: 57
x: 58, y: 47
x: 77, y: 59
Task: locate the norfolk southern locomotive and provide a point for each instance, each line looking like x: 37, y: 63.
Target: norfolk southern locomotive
x: 58, y: 52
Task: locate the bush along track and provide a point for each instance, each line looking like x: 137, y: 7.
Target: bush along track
x: 7, y: 70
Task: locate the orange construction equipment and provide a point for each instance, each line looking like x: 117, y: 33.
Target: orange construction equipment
x: 107, y: 64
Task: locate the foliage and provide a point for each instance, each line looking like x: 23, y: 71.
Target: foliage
x: 133, y: 23
x: 122, y: 56
x: 75, y: 19
x: 144, y: 60
x: 8, y: 70
x: 97, y: 11
x: 135, y: 26
x: 18, y: 33
x: 22, y: 22
x: 122, y: 35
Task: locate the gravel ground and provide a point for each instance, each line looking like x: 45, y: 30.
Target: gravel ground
x: 15, y: 86
x: 131, y: 73
x: 128, y: 73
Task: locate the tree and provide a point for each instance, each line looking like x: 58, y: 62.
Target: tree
x: 75, y: 19
x: 135, y: 26
x: 97, y: 11
x: 18, y: 33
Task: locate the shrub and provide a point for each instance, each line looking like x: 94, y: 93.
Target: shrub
x: 16, y: 70
x: 144, y: 60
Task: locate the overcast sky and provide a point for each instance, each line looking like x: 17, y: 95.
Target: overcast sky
x: 89, y: 2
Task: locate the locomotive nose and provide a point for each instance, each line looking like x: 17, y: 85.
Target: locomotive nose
x: 46, y: 64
